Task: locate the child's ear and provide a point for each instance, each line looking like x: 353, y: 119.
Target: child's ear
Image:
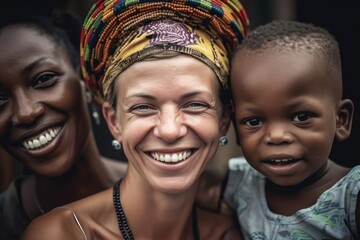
x: 344, y: 119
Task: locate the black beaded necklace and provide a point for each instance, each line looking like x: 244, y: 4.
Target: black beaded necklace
x: 124, y: 226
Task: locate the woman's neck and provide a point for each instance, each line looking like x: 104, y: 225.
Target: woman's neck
x: 87, y: 176
x: 157, y: 215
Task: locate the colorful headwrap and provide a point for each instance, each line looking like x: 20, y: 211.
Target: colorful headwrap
x: 118, y: 33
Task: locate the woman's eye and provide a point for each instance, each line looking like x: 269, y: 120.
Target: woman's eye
x: 142, y: 109
x: 3, y: 100
x: 302, y: 116
x: 196, y: 105
x: 44, y: 80
x: 252, y: 122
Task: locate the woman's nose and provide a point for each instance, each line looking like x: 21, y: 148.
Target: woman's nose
x: 170, y: 126
x: 26, y: 109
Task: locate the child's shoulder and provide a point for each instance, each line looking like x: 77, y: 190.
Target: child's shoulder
x: 242, y: 176
x: 345, y: 190
x: 354, y: 172
x: 239, y: 165
x: 352, y: 177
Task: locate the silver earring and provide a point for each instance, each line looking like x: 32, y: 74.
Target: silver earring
x: 116, y: 144
x: 95, y: 115
x: 94, y: 112
x: 223, y: 141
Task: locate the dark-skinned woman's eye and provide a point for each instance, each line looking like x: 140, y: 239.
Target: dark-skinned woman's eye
x: 44, y: 80
x: 3, y: 100
x: 302, y: 116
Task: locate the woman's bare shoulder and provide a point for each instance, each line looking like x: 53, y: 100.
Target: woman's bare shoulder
x: 56, y: 224
x: 216, y: 226
x: 87, y: 216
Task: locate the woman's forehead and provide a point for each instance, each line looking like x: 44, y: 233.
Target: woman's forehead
x: 181, y: 70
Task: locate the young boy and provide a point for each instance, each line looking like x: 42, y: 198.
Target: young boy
x: 287, y: 91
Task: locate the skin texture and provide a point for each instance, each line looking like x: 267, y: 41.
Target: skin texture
x: 289, y: 106
x: 40, y: 90
x: 150, y: 118
x: 163, y: 106
x: 26, y: 75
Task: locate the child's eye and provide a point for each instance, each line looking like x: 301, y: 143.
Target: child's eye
x: 253, y: 122
x: 302, y: 116
x: 44, y: 80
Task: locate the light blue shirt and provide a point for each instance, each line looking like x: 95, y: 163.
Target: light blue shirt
x: 332, y: 217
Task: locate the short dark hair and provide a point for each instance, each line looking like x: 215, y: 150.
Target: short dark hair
x: 62, y: 28
x: 286, y: 35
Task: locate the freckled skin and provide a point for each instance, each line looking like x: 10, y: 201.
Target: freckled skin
x: 167, y: 108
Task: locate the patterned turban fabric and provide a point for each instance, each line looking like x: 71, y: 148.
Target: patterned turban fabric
x: 117, y: 33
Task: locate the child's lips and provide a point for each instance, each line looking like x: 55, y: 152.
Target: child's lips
x: 281, y: 161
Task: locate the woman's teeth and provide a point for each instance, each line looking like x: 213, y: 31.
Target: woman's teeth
x: 173, y: 157
x: 42, y: 139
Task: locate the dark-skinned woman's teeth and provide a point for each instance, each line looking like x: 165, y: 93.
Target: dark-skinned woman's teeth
x: 42, y: 139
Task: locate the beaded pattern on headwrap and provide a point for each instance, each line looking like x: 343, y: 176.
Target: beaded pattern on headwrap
x: 110, y: 23
x: 162, y: 36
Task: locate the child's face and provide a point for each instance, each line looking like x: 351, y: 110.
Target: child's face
x: 286, y: 114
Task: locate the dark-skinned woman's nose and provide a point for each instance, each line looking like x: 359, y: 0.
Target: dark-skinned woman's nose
x: 26, y: 109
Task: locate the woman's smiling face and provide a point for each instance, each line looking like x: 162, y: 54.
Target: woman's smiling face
x: 169, y: 118
x: 43, y: 116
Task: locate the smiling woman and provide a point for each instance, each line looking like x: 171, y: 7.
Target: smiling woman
x: 45, y: 124
x: 160, y: 70
x: 168, y: 109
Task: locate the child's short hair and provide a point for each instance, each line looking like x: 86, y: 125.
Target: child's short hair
x: 283, y: 35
